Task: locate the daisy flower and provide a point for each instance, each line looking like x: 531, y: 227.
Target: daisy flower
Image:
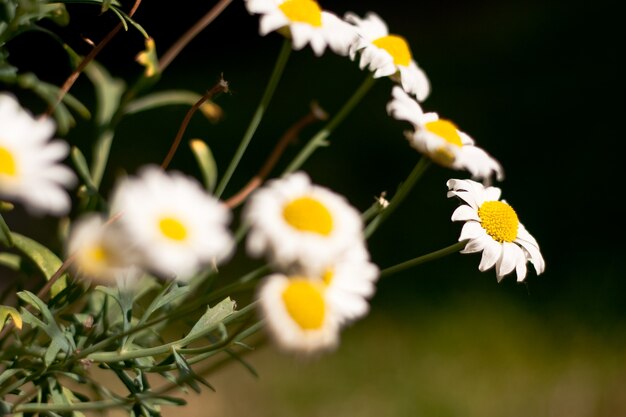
x: 297, y: 313
x: 305, y: 22
x: 387, y: 55
x: 101, y: 252
x: 441, y: 140
x: 296, y: 222
x: 174, y: 226
x: 492, y: 226
x: 350, y: 282
x: 30, y: 169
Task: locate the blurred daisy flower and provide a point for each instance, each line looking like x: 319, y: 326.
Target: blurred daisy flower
x: 305, y: 22
x: 492, y: 226
x: 101, y: 252
x: 30, y: 168
x: 387, y: 55
x: 175, y: 227
x: 297, y: 313
x: 441, y: 140
x: 296, y: 222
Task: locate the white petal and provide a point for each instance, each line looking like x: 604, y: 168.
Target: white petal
x: 506, y: 263
x: 491, y: 253
x: 463, y: 213
x: 471, y: 230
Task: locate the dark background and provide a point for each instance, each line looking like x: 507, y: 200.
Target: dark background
x: 539, y: 85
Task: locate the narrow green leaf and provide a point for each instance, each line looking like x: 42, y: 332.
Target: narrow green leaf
x: 109, y: 90
x: 101, y: 151
x: 6, y: 312
x: 7, y: 374
x: 5, y: 234
x: 46, y: 261
x: 126, y: 18
x: 162, y: 98
x: 206, y: 162
x: 212, y: 317
x: 81, y: 167
x: 187, y: 375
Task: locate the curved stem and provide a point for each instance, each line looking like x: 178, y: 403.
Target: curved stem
x: 424, y: 258
x: 319, y: 139
x: 191, y: 33
x: 258, y: 115
x: 400, y: 195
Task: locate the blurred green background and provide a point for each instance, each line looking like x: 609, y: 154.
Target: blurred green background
x: 538, y: 84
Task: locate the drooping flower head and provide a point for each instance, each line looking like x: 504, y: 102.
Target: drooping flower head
x: 387, y: 54
x: 492, y: 226
x: 296, y: 222
x: 298, y: 314
x: 101, y: 251
x: 441, y: 140
x: 30, y: 168
x: 174, y: 225
x: 305, y: 22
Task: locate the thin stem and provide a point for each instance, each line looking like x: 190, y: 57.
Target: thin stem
x: 93, y: 405
x: 400, y: 195
x: 191, y: 33
x: 69, y: 82
x: 258, y: 115
x: 220, y: 87
x: 424, y: 258
x: 320, y: 138
x: 315, y: 114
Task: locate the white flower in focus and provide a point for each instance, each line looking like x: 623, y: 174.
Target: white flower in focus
x: 387, y: 55
x: 175, y: 227
x: 492, y: 226
x: 350, y: 282
x: 101, y: 252
x: 305, y: 22
x: 30, y: 169
x: 441, y: 140
x: 296, y: 222
x: 297, y: 314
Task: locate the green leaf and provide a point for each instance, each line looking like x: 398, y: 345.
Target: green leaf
x: 46, y: 261
x: 81, y: 167
x: 6, y: 312
x: 109, y: 91
x: 212, y: 317
x: 5, y: 234
x: 127, y: 19
x: 162, y: 98
x: 187, y: 375
x: 206, y: 161
x: 11, y: 261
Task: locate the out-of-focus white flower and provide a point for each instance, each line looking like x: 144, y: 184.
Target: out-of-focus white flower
x: 441, y: 140
x: 387, y: 55
x: 305, y: 22
x: 175, y: 227
x: 296, y: 222
x: 30, y: 168
x: 492, y: 226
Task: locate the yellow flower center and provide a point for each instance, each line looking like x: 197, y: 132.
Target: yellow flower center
x: 308, y: 215
x: 173, y: 229
x: 446, y: 130
x: 7, y: 163
x: 97, y: 254
x: 397, y: 47
x: 302, y: 11
x: 328, y: 276
x: 304, y: 303
x: 499, y: 220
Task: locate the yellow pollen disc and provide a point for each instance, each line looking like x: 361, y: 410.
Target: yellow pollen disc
x: 397, y: 47
x: 499, y: 220
x: 328, y: 276
x: 445, y: 130
x: 304, y: 303
x: 173, y: 229
x: 308, y: 215
x: 97, y: 254
x: 302, y: 11
x: 7, y: 163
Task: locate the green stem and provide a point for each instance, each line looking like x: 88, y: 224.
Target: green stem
x: 400, y: 195
x: 320, y: 138
x: 258, y: 115
x: 93, y: 405
x: 424, y: 258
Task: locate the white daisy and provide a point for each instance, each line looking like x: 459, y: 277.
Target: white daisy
x: 492, y: 226
x: 441, y: 140
x: 350, y: 282
x: 296, y: 222
x: 30, y: 169
x: 297, y: 313
x: 175, y: 226
x: 387, y: 55
x: 305, y: 22
x: 101, y: 252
